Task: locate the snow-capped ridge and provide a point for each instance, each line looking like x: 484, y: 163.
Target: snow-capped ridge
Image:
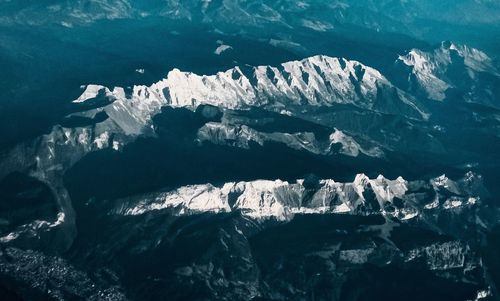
x: 92, y: 91
x: 318, y: 81
x: 241, y: 136
x: 264, y: 199
x: 315, y: 81
x: 438, y: 70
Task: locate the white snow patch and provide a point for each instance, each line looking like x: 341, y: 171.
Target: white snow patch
x: 452, y: 203
x: 317, y: 25
x: 116, y: 145
x: 91, y: 91
x: 342, y: 208
x: 221, y: 48
x: 102, y: 140
x: 9, y: 237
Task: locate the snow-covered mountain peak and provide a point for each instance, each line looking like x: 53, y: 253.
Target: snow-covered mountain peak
x: 474, y: 59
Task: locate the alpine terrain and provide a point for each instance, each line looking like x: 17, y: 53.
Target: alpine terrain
x: 249, y: 150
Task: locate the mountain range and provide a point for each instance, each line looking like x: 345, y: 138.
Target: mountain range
x: 249, y: 150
